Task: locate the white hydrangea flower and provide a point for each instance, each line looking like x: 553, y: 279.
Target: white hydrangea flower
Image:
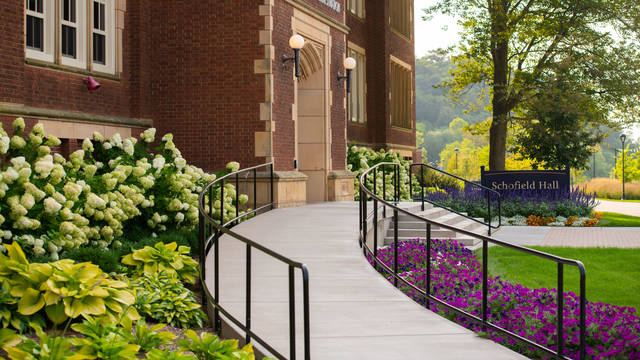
x: 10, y: 175
x: 51, y: 140
x: 158, y: 162
x: 19, y: 162
x: 107, y: 145
x: 148, y: 135
x: 17, y: 142
x: 179, y: 217
x: 180, y: 163
x: 4, y: 144
x: 95, y: 201
x: 51, y: 206
x: 18, y: 124
x: 128, y: 147
x: 7, y: 235
x: 233, y: 166
x: 98, y: 137
x: 87, y: 145
x: 35, y: 140
x: 116, y: 140
x: 44, y: 166
x: 27, y: 200
x: 167, y: 137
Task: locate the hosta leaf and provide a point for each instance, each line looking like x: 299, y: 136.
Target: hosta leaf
x: 31, y: 302
x: 88, y: 305
x: 56, y: 313
x: 16, y: 254
x: 171, y: 246
x: 129, y: 260
x: 8, y: 338
x: 123, y: 296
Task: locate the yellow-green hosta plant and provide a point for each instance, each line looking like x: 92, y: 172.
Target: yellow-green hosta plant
x: 64, y: 289
x: 169, y: 258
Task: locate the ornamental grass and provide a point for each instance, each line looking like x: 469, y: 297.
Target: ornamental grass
x: 613, y: 332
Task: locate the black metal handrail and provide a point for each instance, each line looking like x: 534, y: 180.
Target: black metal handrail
x: 366, y: 194
x: 210, y: 231
x: 487, y: 190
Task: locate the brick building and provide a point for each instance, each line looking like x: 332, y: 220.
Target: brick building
x: 211, y: 72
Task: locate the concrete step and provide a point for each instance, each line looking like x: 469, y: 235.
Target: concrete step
x: 415, y: 233
x: 466, y: 241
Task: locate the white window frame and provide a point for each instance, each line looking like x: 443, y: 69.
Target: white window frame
x: 110, y: 37
x: 358, y: 93
x: 357, y: 8
x: 48, y: 31
x: 80, y: 61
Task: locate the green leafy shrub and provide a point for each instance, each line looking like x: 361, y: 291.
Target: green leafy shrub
x: 102, y: 340
x: 163, y: 298
x: 9, y: 315
x: 210, y: 347
x: 64, y: 289
x: 8, y: 338
x: 168, y: 258
x: 438, y: 180
x: 361, y: 159
x: 51, y: 205
x: 48, y: 347
x: 148, y: 338
x: 156, y: 354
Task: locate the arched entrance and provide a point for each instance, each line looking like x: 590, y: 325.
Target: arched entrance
x: 312, y: 138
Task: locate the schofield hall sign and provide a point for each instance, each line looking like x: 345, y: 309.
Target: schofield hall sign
x: 532, y: 180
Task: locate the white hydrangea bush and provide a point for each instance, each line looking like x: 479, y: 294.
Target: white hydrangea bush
x: 359, y: 159
x: 50, y: 204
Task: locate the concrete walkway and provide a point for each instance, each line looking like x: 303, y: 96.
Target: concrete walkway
x: 606, y: 237
x: 620, y: 207
x: 355, y: 312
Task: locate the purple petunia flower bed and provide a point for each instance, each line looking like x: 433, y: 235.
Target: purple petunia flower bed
x: 613, y: 332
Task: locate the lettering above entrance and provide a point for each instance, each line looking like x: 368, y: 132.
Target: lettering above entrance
x: 332, y: 4
x: 557, y: 181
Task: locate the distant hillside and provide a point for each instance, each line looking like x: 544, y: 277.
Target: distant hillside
x: 432, y: 106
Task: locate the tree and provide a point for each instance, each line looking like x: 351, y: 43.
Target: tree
x: 513, y: 45
x: 566, y: 128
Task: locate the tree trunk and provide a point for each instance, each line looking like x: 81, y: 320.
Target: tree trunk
x: 500, y: 101
x: 498, y: 143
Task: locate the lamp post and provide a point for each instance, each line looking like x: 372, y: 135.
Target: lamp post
x: 349, y: 64
x: 623, y: 138
x: 296, y: 42
x: 456, y: 150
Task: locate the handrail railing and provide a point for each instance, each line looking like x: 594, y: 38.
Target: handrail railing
x: 487, y: 190
x: 366, y: 194
x: 210, y: 231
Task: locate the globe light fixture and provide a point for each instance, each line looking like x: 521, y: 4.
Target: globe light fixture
x: 296, y: 42
x: 349, y: 64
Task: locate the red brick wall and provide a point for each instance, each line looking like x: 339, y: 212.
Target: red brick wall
x: 204, y: 89
x: 40, y: 87
x: 379, y: 42
x: 338, y: 115
x: 324, y: 9
x: 283, y: 85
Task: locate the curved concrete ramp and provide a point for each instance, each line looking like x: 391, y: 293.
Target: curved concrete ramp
x: 355, y: 312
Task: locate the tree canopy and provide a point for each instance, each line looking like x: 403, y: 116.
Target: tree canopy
x: 515, y: 47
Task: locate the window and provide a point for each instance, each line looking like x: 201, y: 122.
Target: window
x: 103, y: 36
x: 357, y: 109
x: 356, y: 7
x: 401, y: 91
x: 401, y: 16
x: 85, y: 33
x: 39, y: 30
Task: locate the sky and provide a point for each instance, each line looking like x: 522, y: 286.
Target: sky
x: 442, y: 32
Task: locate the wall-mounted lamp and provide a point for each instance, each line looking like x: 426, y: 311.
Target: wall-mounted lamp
x: 349, y: 64
x: 92, y: 84
x: 296, y: 42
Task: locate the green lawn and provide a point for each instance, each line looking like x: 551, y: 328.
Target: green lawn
x: 613, y: 219
x: 613, y: 275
